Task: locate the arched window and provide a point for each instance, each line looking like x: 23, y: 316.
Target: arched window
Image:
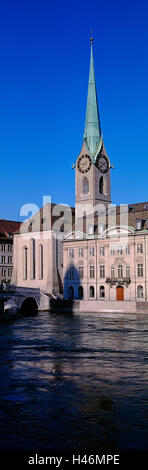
x: 80, y: 292
x: 85, y: 186
x: 140, y: 292
x: 41, y: 261
x: 25, y: 262
x: 101, y: 185
x: 102, y: 292
x: 32, y: 258
x: 91, y: 291
x: 71, y: 292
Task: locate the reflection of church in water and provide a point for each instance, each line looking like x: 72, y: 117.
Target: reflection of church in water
x: 106, y: 256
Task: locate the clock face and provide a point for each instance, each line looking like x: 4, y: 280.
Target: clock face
x: 84, y: 163
x: 102, y: 163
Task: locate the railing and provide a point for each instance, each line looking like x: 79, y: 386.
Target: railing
x: 112, y: 281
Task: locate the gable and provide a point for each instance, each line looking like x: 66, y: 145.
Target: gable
x: 75, y: 235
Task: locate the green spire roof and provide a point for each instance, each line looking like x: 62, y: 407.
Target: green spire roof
x: 92, y: 132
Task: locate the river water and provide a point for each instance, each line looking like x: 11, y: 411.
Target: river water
x: 74, y: 382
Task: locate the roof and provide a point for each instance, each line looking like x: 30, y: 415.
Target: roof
x: 54, y: 212
x: 46, y: 217
x: 135, y: 211
x: 8, y: 228
x: 92, y: 132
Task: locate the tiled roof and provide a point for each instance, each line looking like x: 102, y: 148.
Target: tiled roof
x: 8, y: 227
x: 40, y: 221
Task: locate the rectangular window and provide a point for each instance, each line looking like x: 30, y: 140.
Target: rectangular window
x: 81, y: 272
x: 3, y: 248
x: 9, y: 272
x: 10, y: 259
x: 139, y: 248
x: 140, y: 270
x: 3, y: 259
x: 80, y: 252
x: 120, y: 271
x: 92, y: 272
x: 10, y: 248
x: 112, y: 271
x: 4, y: 272
x: 127, y: 249
x: 91, y: 251
x: 102, y: 251
x: 120, y: 250
x: 71, y: 252
x: 127, y: 271
x: 112, y: 250
x: 102, y: 270
x: 71, y: 273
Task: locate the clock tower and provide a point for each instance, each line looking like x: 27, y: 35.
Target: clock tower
x: 92, y: 174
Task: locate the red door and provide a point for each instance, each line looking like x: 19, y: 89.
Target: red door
x: 120, y: 293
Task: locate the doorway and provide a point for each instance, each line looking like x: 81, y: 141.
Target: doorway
x: 119, y: 293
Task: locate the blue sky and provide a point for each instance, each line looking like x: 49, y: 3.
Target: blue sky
x: 44, y: 63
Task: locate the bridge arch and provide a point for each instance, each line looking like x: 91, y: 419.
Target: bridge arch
x: 29, y: 306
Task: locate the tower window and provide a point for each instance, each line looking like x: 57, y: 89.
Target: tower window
x: 101, y: 185
x: 85, y: 186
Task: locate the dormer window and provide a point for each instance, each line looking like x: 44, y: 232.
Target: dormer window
x: 139, y: 224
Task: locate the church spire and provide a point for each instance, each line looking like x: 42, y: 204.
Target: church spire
x: 92, y: 132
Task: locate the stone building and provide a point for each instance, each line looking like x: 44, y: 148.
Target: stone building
x: 101, y: 261
x: 7, y: 230
x: 38, y: 252
x: 105, y: 257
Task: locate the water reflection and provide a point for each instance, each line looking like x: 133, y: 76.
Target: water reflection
x: 74, y: 381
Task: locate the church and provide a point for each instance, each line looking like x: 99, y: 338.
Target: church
x: 105, y: 257
x: 100, y: 262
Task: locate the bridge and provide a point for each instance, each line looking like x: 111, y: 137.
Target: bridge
x: 23, y: 299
